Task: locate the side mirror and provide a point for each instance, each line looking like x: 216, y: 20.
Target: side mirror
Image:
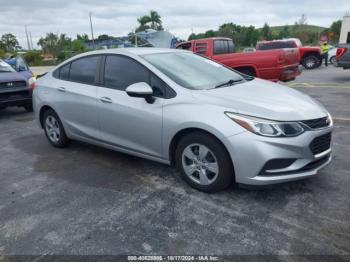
x: 141, y: 89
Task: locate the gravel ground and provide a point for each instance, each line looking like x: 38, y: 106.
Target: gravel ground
x: 88, y: 200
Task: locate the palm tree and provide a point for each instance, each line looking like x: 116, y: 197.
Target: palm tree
x: 53, y: 44
x: 153, y: 18
x: 143, y: 21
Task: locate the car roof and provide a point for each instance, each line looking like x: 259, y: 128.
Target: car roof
x: 139, y: 51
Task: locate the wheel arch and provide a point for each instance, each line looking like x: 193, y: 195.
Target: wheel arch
x: 245, y: 69
x: 312, y: 53
x: 182, y: 133
x: 42, y: 111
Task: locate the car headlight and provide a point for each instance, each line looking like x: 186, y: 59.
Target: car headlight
x: 31, y: 82
x: 264, y: 127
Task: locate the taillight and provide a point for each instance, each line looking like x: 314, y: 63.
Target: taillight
x: 341, y: 51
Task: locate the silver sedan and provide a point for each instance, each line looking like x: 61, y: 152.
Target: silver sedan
x: 172, y: 106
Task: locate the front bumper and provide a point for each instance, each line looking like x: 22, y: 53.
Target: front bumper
x: 16, y: 97
x: 262, y: 160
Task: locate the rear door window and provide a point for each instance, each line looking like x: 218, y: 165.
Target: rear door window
x: 223, y: 47
x: 84, y: 70
x: 220, y: 47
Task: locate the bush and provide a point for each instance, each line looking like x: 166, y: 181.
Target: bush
x: 33, y: 57
x: 2, y: 53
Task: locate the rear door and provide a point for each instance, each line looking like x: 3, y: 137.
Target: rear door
x: 75, y: 96
x: 130, y: 122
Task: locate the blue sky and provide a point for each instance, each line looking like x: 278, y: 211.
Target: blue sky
x: 118, y: 17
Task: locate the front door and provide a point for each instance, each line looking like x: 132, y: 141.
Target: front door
x: 129, y: 122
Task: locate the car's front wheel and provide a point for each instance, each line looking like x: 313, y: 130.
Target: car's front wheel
x: 54, y: 129
x: 204, y: 162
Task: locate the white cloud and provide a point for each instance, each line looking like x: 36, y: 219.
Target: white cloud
x: 179, y: 17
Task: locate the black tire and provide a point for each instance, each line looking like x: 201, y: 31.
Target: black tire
x: 333, y: 60
x: 28, y: 108
x: 311, y: 62
x: 62, y: 139
x: 225, y: 176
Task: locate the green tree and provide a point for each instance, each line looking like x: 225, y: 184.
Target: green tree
x: 104, y: 37
x: 54, y: 44
x: 143, y: 21
x: 156, y: 21
x: 151, y: 21
x: 192, y: 37
x: 210, y: 33
x: 33, y: 57
x: 335, y: 30
x: 83, y: 37
x: 266, y: 32
x: 9, y: 42
x: 284, y: 33
x: 2, y: 53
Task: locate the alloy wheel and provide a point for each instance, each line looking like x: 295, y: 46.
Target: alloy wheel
x: 52, y: 128
x: 200, y: 164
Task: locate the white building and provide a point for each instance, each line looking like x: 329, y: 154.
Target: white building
x: 345, y: 31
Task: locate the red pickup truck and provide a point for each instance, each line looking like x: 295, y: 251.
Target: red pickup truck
x: 310, y: 56
x: 275, y: 65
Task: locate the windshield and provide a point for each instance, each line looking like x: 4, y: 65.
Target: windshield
x: 5, y: 67
x: 192, y: 71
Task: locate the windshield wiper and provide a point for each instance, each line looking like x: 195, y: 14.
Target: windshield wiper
x: 229, y: 82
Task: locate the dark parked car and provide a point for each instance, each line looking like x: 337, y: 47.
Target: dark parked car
x: 16, y: 87
x: 343, y: 56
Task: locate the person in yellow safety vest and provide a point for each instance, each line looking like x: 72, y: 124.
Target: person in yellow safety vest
x: 324, y: 50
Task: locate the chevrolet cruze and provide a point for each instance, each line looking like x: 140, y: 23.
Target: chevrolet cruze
x: 172, y: 106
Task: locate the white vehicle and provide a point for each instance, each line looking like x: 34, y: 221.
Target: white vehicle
x: 216, y: 125
x: 332, y: 55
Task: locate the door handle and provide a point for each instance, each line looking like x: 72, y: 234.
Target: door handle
x: 61, y: 89
x: 106, y: 100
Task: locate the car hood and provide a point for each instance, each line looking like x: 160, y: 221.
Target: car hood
x: 13, y: 76
x: 263, y: 99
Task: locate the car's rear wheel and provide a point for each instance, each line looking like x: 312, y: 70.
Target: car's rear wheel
x: 333, y: 60
x: 54, y: 129
x: 204, y: 162
x: 311, y: 62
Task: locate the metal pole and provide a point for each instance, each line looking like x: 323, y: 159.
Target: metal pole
x: 25, y: 27
x: 92, y: 32
x: 31, y: 40
x: 135, y: 39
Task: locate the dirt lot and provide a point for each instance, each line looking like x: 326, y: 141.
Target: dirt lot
x: 88, y: 200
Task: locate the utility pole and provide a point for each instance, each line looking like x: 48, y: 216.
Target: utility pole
x: 25, y: 27
x: 135, y: 39
x: 92, y: 32
x: 31, y: 41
